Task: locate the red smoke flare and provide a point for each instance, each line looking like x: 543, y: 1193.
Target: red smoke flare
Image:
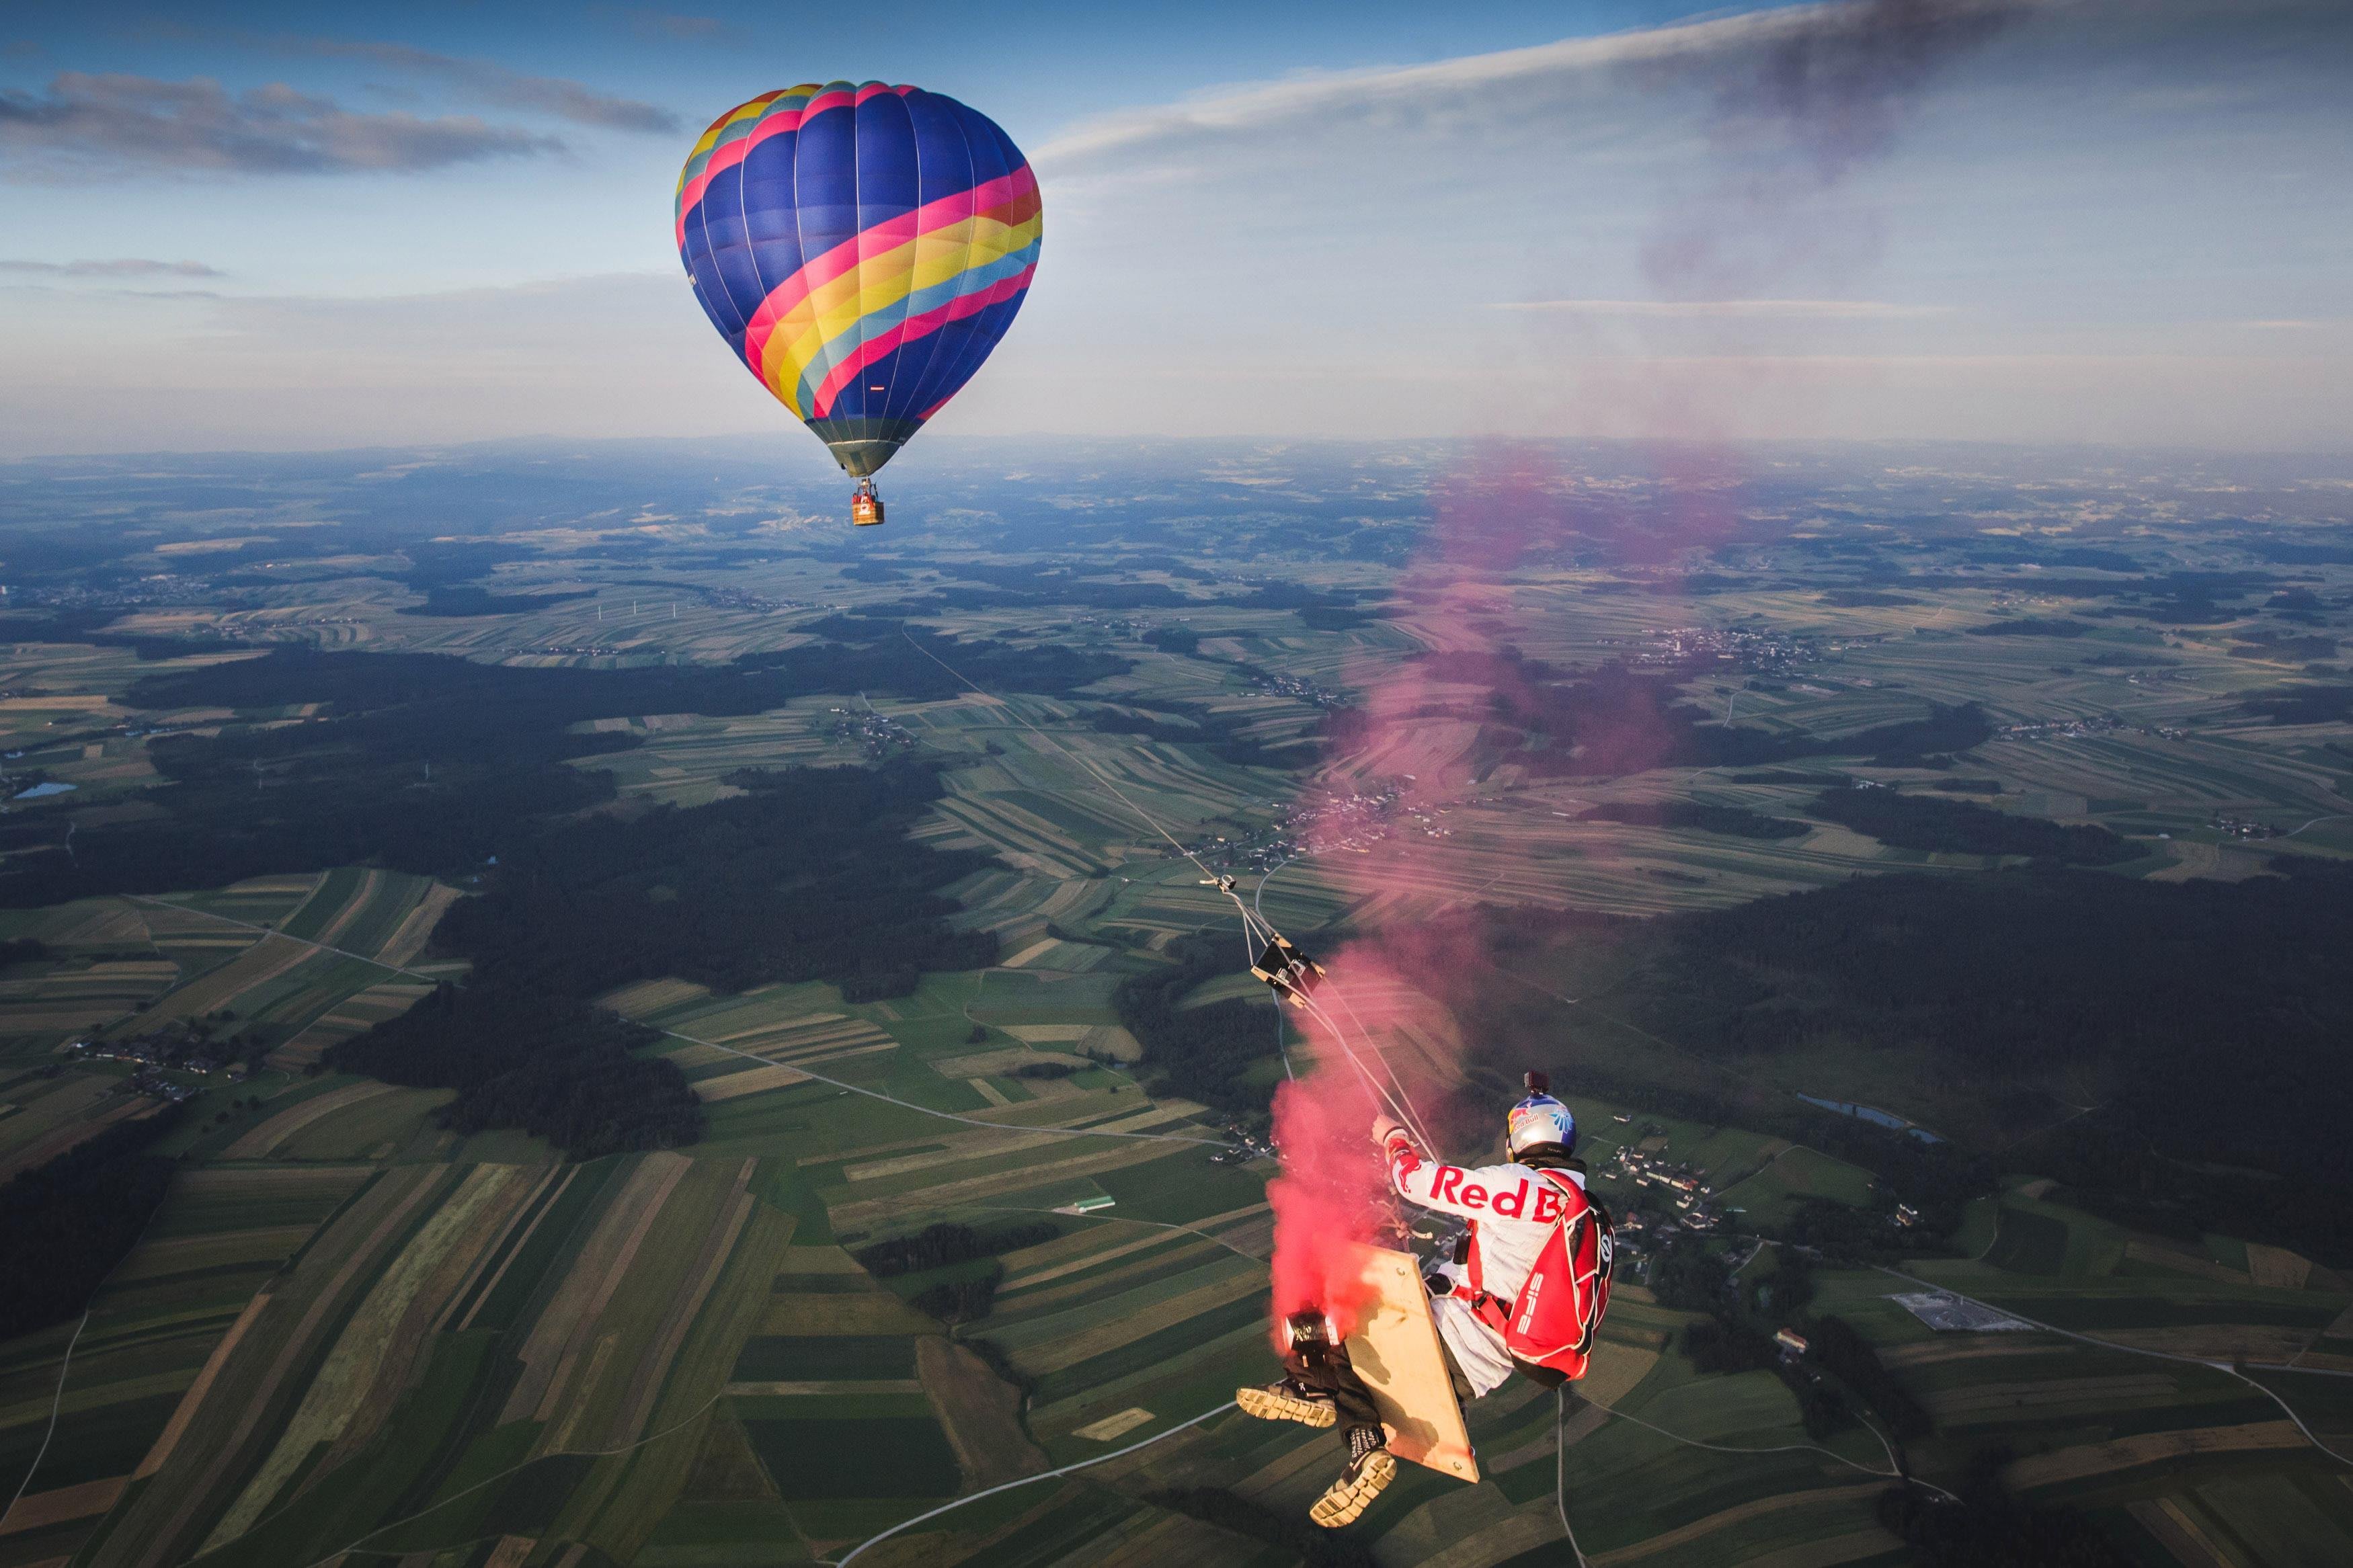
x: 1323, y: 1199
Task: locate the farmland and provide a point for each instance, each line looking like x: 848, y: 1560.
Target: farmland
x: 352, y: 1332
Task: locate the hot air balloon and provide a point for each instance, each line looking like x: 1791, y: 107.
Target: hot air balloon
x: 862, y: 248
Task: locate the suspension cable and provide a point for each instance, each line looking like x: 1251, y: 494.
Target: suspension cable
x: 1256, y: 929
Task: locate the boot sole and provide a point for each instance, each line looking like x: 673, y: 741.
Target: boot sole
x: 1351, y: 1495
x: 1269, y: 1405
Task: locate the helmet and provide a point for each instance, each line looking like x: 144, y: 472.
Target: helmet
x: 1538, y: 1121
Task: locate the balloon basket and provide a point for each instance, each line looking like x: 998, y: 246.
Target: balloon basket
x: 865, y: 506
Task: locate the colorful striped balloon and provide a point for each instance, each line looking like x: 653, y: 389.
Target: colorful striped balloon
x: 862, y: 248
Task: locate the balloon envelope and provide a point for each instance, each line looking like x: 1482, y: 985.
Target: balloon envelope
x: 862, y: 248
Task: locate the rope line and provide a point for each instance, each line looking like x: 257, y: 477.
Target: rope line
x: 843, y: 1561
x: 1560, y: 1468
x: 1257, y: 931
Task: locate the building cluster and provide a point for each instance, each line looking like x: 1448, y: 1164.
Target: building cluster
x: 1248, y: 1146
x: 878, y: 733
x: 736, y: 599
x: 1751, y: 650
x: 1354, y: 821
x: 149, y: 1055
x: 159, y: 588
x: 2240, y: 828
x: 2059, y: 729
x: 1299, y: 689
x: 1683, y: 1187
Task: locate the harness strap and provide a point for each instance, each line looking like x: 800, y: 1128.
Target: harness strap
x: 1489, y: 1308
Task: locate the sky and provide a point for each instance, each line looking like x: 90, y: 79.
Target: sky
x: 268, y: 226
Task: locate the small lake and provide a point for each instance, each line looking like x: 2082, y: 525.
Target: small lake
x: 1872, y: 1113
x: 43, y: 791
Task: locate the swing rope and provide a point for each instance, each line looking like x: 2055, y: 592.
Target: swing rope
x: 1259, y: 935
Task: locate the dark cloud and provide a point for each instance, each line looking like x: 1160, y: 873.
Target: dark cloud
x: 1839, y: 87
x: 496, y: 85
x: 119, y: 266
x: 123, y: 125
x: 1824, y: 91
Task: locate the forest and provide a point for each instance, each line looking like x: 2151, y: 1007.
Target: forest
x: 2218, y: 1010
x: 808, y: 875
x: 433, y: 765
x: 446, y: 767
x: 65, y: 1224
x: 937, y: 1246
x: 519, y: 1057
x: 1733, y: 821
x: 1201, y: 1053
x: 1958, y: 827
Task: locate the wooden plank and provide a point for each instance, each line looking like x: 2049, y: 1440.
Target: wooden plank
x: 1395, y: 1350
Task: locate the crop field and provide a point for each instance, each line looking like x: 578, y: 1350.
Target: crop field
x: 352, y: 1336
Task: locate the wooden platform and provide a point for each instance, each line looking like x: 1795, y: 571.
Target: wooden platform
x: 1395, y: 1350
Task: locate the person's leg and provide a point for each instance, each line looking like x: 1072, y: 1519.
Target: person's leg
x: 1334, y: 1376
x: 1463, y: 1391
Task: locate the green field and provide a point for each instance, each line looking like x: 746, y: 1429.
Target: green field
x: 349, y: 1330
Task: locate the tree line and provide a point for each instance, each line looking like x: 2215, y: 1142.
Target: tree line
x: 433, y: 765
x: 1959, y: 827
x: 1199, y: 1053
x: 2219, y: 1009
x: 65, y: 1223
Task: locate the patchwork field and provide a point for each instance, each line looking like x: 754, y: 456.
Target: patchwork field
x: 354, y: 1337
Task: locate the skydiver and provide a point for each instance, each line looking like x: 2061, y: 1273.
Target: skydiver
x: 1524, y: 1293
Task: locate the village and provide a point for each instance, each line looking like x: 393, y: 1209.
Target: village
x: 1644, y: 1163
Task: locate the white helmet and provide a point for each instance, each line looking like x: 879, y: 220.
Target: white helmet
x: 1538, y: 1121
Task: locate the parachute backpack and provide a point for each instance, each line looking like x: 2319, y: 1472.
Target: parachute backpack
x: 1552, y: 1321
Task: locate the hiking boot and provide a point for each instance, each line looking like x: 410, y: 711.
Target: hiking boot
x: 1285, y: 1400
x: 1371, y: 1467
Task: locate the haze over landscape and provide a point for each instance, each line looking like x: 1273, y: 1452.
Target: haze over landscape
x: 1789, y: 569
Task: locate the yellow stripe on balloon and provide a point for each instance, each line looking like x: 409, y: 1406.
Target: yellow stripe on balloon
x: 825, y: 327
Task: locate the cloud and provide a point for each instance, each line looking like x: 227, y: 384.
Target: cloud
x: 121, y: 126
x: 685, y: 29
x: 1793, y: 119
x: 119, y: 266
x: 1831, y: 309
x: 1776, y: 57
x: 485, y: 82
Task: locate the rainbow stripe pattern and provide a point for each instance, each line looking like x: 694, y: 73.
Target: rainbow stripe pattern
x: 862, y: 248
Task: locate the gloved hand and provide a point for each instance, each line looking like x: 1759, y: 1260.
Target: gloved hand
x: 1385, y: 1127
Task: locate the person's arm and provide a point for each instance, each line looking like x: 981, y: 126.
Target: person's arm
x: 1470, y: 1191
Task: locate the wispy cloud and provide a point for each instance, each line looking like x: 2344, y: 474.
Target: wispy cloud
x: 121, y: 126
x: 495, y: 85
x: 1819, y: 309
x: 686, y: 29
x: 116, y: 267
x: 1789, y: 60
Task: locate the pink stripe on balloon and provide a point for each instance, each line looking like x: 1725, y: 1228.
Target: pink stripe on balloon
x: 912, y: 329
x: 824, y: 100
x: 727, y: 155
x: 1006, y: 190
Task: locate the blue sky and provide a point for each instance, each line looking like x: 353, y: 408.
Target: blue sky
x: 268, y: 226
